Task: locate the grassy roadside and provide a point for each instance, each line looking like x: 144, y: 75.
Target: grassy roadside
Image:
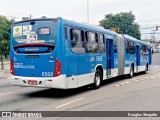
x: 6, y: 59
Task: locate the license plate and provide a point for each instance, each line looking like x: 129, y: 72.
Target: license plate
x: 32, y: 82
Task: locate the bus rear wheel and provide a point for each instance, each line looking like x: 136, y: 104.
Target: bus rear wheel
x: 131, y: 71
x: 97, y: 79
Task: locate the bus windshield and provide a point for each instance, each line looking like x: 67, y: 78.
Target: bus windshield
x: 35, y: 31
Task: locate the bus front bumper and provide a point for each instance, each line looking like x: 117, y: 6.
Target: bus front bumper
x: 53, y: 82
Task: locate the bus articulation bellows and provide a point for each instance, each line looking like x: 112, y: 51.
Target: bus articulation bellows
x: 59, y: 53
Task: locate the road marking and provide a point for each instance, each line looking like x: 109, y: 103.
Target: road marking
x: 128, y: 82
x: 70, y: 102
x: 123, y: 84
x: 135, y: 80
x: 6, y: 93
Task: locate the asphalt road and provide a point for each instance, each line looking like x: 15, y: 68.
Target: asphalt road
x: 141, y: 93
x: 156, y: 59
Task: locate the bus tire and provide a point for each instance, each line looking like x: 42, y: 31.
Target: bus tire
x: 97, y: 79
x: 131, y: 71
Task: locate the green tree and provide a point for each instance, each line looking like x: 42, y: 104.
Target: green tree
x: 4, y: 38
x: 25, y: 18
x: 125, y: 21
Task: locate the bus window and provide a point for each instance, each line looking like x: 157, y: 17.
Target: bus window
x: 130, y: 47
x: 115, y: 45
x: 77, y: 41
x: 92, y: 42
x: 127, y: 45
x: 65, y: 33
x: 144, y: 50
x: 101, y: 43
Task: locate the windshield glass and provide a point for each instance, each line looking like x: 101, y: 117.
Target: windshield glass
x: 42, y: 31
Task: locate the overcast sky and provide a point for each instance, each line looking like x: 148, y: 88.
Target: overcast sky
x: 147, y: 12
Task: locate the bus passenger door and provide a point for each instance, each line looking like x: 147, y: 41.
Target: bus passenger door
x: 110, y: 56
x: 150, y: 55
x: 137, y: 57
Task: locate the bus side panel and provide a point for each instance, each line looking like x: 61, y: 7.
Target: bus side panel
x: 144, y: 59
x: 128, y: 60
x: 137, y: 57
x: 115, y: 70
x: 85, y: 69
x: 70, y: 62
x: 143, y: 62
x: 72, y: 73
x: 79, y: 66
x: 61, y: 52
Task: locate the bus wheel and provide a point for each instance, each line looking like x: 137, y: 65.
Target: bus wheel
x: 97, y: 79
x: 131, y: 71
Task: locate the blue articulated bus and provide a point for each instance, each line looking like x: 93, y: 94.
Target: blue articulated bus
x: 59, y: 53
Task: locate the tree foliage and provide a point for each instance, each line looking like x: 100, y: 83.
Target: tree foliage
x: 4, y: 37
x: 125, y: 21
x: 25, y: 18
